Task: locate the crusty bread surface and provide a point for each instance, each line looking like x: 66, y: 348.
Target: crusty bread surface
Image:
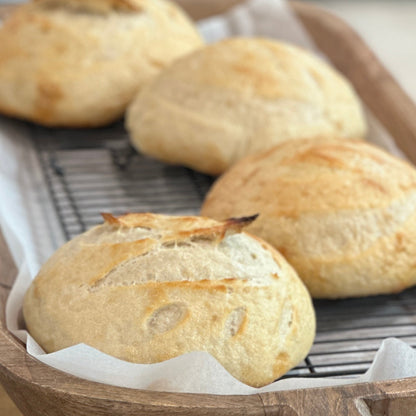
x: 78, y: 63
x: 342, y: 213
x: 237, y: 97
x: 146, y: 288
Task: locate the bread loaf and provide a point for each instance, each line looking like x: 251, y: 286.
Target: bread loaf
x: 342, y: 213
x: 237, y: 97
x: 146, y: 288
x: 78, y: 63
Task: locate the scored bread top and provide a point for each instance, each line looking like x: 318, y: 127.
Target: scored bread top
x: 79, y: 63
x: 147, y: 287
x: 185, y: 251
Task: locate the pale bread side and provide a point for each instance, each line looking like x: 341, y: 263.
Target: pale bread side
x: 146, y: 288
x: 237, y: 97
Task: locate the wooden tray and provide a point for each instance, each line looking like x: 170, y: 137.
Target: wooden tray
x: 40, y: 390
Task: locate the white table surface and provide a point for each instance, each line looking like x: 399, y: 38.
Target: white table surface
x: 389, y: 28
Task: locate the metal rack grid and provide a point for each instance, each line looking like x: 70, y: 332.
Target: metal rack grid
x: 92, y: 171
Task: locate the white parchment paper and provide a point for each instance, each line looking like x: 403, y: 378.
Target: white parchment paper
x: 32, y: 232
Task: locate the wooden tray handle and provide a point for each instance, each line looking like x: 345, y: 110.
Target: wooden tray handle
x: 388, y: 398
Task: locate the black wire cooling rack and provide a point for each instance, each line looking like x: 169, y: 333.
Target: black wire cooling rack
x: 92, y: 171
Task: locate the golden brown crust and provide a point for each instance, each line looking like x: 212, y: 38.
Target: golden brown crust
x: 146, y: 288
x: 182, y: 227
x: 65, y: 64
x: 99, y: 6
x: 342, y: 213
x: 238, y: 97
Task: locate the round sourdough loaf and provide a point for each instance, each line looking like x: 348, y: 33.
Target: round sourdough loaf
x: 78, y: 63
x: 237, y: 97
x: 146, y: 288
x: 342, y: 213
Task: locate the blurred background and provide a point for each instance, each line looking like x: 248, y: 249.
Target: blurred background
x: 389, y: 28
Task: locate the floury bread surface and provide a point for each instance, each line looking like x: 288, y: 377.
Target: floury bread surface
x: 78, y: 63
x: 342, y: 213
x: 146, y: 288
x: 237, y: 97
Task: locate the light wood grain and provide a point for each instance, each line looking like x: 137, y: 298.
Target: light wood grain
x: 7, y: 273
x: 39, y: 390
x: 7, y: 407
x: 5, y: 10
